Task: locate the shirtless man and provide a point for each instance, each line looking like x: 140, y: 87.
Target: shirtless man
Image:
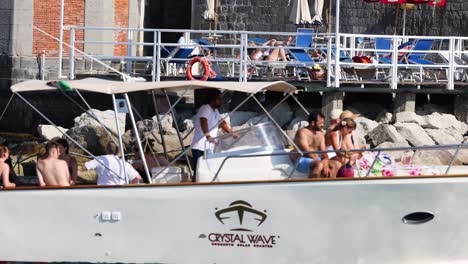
x: 312, y: 138
x: 52, y: 171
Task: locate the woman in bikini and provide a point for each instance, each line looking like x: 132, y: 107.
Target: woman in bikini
x: 340, y: 138
x: 271, y: 54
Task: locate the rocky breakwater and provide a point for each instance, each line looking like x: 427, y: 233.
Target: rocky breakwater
x: 401, y: 130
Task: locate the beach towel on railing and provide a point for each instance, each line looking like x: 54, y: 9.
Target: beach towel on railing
x: 385, y: 166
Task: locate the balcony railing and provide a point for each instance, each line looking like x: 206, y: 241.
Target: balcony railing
x: 388, y: 60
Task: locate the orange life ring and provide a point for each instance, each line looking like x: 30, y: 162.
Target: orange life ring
x: 206, y: 67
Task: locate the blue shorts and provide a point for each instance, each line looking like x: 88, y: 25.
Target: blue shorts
x: 303, y: 165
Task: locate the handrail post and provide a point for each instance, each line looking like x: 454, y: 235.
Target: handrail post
x: 158, y: 66
x: 394, y: 84
x: 451, y: 70
x: 128, y: 61
x: 71, y: 74
x: 337, y: 61
x: 155, y: 57
x: 329, y: 46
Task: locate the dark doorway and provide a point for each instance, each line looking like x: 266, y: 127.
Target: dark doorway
x: 167, y: 14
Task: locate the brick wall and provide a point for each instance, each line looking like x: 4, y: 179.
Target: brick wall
x: 121, y: 20
x: 47, y: 18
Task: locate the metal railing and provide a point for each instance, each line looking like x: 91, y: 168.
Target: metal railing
x: 444, y: 62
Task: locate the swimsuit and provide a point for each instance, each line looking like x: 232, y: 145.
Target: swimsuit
x: 303, y: 164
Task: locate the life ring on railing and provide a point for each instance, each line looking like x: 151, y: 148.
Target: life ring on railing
x: 207, y: 74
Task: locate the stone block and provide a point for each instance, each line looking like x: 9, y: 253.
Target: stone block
x: 461, y: 107
x: 384, y: 133
x: 404, y: 102
x: 414, y: 134
x: 384, y: 117
x: 28, y: 63
x: 49, y: 132
x: 24, y: 5
x: 6, y: 17
x: 410, y: 117
x: 6, y: 4
x: 5, y: 62
x: 444, y: 136
x: 79, y: 65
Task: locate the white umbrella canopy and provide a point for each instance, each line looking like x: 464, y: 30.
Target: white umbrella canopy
x: 318, y: 8
x: 209, y: 13
x: 300, y: 13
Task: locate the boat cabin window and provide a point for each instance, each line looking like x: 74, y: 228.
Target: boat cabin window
x: 265, y: 136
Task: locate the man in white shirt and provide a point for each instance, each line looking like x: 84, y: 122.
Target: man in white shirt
x: 114, y: 174
x: 207, y: 123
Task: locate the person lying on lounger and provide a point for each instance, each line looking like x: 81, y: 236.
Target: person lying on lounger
x: 271, y: 54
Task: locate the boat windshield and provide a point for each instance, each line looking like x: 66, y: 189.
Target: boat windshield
x: 265, y: 136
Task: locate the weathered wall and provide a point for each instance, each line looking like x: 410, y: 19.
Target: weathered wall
x: 356, y: 17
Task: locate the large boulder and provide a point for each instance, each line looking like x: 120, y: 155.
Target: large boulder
x: 384, y: 117
x: 187, y: 125
x: 172, y: 143
x: 384, y: 133
x: 410, y: 117
x: 364, y: 125
x: 437, y: 121
x: 397, y: 154
x: 445, y: 136
x: 414, y: 134
x: 93, y: 138
x: 49, y: 132
x: 107, y: 118
x: 296, y: 123
x: 460, y: 127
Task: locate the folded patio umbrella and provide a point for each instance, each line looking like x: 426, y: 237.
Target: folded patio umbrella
x: 300, y: 13
x: 318, y: 8
x: 209, y: 13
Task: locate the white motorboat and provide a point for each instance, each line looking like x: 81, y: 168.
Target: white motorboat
x: 248, y: 205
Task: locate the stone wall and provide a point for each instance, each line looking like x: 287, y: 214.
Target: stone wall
x: 356, y: 17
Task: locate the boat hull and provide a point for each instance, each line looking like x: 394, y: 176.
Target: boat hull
x: 340, y: 221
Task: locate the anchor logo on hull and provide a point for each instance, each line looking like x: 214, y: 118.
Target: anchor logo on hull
x: 242, y: 208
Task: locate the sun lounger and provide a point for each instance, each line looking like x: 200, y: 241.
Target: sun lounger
x: 417, y: 56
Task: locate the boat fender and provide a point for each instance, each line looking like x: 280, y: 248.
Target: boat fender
x: 207, y: 74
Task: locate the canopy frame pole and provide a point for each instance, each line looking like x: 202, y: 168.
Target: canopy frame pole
x: 7, y: 105
x: 137, y: 136
x: 300, y: 105
x: 67, y: 136
x: 178, y: 134
x: 221, y: 121
x: 121, y: 145
x: 274, y: 108
x: 277, y: 125
x: 452, y: 159
x: 158, y: 119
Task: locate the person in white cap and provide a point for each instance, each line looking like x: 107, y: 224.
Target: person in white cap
x: 334, y: 119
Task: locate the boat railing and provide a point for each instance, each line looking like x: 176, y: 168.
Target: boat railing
x: 456, y: 148
x: 402, y: 60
